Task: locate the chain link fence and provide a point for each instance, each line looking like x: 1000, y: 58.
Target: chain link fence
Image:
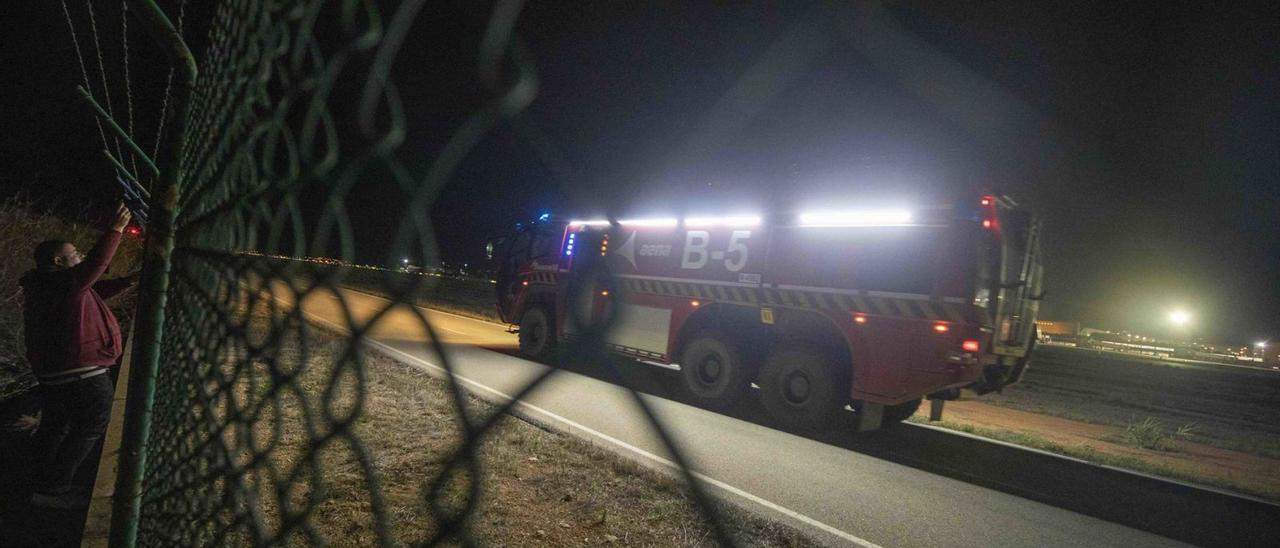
x: 294, y: 110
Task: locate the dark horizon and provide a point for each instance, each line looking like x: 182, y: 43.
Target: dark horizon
x: 1144, y: 135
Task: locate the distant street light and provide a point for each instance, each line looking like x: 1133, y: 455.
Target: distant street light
x: 1262, y: 344
x: 1180, y: 318
x: 405, y: 261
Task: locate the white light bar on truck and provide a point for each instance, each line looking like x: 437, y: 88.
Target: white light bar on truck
x: 595, y: 222
x: 745, y: 220
x: 867, y: 217
x: 649, y: 222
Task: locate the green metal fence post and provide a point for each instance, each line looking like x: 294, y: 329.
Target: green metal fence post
x: 149, y: 322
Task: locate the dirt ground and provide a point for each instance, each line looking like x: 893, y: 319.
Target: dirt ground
x: 533, y: 487
x: 1258, y: 474
x: 1230, y: 407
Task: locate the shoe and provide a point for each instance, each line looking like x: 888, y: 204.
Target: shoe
x: 65, y: 501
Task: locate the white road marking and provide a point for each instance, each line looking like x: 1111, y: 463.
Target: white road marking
x: 431, y: 310
x: 573, y: 426
x: 424, y: 309
x: 463, y: 333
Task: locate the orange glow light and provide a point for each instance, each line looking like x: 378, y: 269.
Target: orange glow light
x: 694, y: 304
x: 970, y: 346
x: 525, y: 283
x: 941, y: 327
x: 859, y: 318
x: 604, y: 293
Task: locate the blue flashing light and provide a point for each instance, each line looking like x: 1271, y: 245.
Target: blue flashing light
x: 544, y: 217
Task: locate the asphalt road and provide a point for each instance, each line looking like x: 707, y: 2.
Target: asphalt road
x: 843, y: 496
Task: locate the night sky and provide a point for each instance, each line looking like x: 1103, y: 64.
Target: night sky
x: 1146, y: 136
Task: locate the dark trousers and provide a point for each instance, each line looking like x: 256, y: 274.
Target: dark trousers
x: 73, y: 418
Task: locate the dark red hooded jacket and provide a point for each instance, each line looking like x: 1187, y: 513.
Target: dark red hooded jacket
x: 68, y: 326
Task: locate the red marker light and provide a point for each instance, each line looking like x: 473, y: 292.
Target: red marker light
x: 133, y: 231
x: 941, y: 327
x: 970, y: 345
x: 525, y: 283
x: 986, y: 223
x: 604, y: 293
x: 986, y: 201
x: 860, y: 319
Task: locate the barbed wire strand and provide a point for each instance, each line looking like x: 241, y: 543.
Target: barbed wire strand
x: 128, y: 85
x: 102, y: 71
x: 75, y: 41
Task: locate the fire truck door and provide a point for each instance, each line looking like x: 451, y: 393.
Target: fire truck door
x: 512, y: 253
x: 584, y: 282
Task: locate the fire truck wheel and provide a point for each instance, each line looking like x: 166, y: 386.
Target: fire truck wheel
x: 894, y: 414
x: 803, y: 389
x: 713, y: 371
x: 537, y: 335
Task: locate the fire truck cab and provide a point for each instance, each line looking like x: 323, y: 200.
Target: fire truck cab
x: 827, y: 310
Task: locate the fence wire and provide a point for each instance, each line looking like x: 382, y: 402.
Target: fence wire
x: 295, y: 110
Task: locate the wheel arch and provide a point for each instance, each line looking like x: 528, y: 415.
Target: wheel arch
x: 794, y: 326
x: 739, y: 323
x: 537, y: 297
x: 815, y: 330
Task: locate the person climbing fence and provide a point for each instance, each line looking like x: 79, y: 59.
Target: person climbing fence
x: 72, y: 342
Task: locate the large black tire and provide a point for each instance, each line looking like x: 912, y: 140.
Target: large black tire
x: 537, y: 334
x: 894, y: 414
x: 713, y: 371
x: 803, y: 388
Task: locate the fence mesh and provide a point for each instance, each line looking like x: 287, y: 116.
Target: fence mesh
x: 295, y: 110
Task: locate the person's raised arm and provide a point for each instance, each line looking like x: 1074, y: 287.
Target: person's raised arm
x: 96, y: 262
x: 110, y: 288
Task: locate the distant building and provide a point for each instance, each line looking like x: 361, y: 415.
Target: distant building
x: 1271, y: 354
x: 1050, y: 327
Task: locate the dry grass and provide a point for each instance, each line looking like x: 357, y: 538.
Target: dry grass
x: 1098, y: 455
x: 536, y: 488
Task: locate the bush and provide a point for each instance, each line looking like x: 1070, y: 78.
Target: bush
x: 1150, y: 434
x: 21, y: 227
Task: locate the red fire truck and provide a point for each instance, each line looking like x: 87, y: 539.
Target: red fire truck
x: 824, y: 311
